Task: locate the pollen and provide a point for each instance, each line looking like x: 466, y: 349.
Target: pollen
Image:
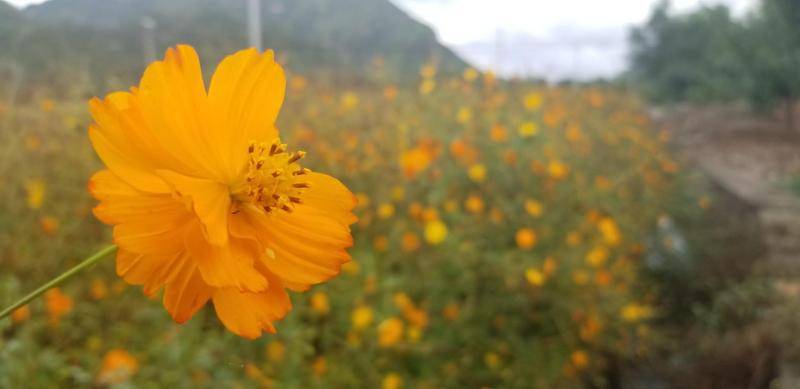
x: 275, y: 179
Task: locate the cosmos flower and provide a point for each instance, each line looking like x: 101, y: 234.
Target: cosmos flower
x: 205, y: 200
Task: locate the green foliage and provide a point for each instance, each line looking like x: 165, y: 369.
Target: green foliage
x: 691, y: 57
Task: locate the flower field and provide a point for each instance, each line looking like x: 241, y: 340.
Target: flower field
x: 502, y: 237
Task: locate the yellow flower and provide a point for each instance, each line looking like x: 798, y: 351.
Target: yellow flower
x: 276, y: 351
x: 385, y: 210
x: 35, y: 193
x: 636, y: 312
x: 320, y: 302
x: 474, y: 204
x: 464, y: 115
x: 427, y: 86
x: 526, y: 238
x: 477, y: 172
x: 470, y: 74
x: 533, y: 101
x: 435, y: 232
x: 206, y: 201
x: 528, y: 129
x: 118, y: 367
x: 535, y: 277
x: 390, y: 331
x: 349, y: 100
x: 557, y: 170
x: 362, y: 317
x: 392, y: 381
x: 609, y: 230
x: 597, y: 256
x: 533, y: 207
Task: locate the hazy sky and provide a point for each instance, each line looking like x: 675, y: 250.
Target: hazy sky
x: 553, y: 39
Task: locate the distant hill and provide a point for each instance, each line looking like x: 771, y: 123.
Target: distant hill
x: 99, y: 42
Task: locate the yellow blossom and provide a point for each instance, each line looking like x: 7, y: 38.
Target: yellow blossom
x: 435, y: 232
x: 390, y: 331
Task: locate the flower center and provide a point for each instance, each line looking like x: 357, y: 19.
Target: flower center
x: 274, y: 178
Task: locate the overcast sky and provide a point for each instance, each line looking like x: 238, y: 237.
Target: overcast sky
x: 552, y: 39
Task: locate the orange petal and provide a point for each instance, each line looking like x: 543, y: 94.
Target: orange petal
x: 249, y: 314
x: 328, y: 195
x: 186, y: 293
x: 246, y: 93
x: 150, y: 271
x: 211, y: 202
x: 227, y: 266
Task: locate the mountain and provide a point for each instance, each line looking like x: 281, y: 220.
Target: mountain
x: 100, y: 41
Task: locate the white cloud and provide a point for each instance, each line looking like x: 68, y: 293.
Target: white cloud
x: 554, y: 39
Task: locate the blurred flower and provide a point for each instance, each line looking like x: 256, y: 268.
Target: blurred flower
x: 557, y: 170
x: 464, y: 115
x: 474, y: 204
x: 349, y: 100
x: 492, y: 360
x: 435, y: 232
x: 415, y: 160
x: 636, y: 312
x: 535, y: 277
x: 98, y: 290
x: 320, y: 303
x: 21, y: 314
x: 579, y: 359
x: 533, y: 101
x: 470, y: 74
x: 319, y: 366
x: 206, y: 201
x: 58, y: 304
x: 428, y: 70
x: 597, y: 256
x: 276, y: 351
x: 528, y: 129
x: 361, y: 317
x: 451, y: 311
x: 35, y: 193
x: 533, y: 207
x: 427, y: 86
x: 33, y: 142
x: 609, y: 230
x: 390, y: 92
x: 392, y: 381
x: 47, y: 105
x: 385, y: 210
x: 526, y: 238
x: 410, y: 242
x: 498, y: 133
x: 390, y: 331
x: 49, y: 224
x: 477, y: 173
x: 118, y: 367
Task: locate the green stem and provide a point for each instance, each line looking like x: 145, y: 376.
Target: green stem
x: 58, y: 280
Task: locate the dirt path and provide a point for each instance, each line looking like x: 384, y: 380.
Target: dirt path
x: 751, y: 158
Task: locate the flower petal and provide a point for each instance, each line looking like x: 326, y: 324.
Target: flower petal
x: 211, y: 202
x: 246, y: 93
x: 249, y: 314
x: 186, y: 292
x: 227, y: 266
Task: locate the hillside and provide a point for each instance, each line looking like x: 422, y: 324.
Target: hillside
x: 99, y: 41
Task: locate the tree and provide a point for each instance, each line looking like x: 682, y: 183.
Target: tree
x: 688, y: 57
x: 773, y: 57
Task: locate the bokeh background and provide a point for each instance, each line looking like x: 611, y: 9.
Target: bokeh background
x: 571, y: 195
